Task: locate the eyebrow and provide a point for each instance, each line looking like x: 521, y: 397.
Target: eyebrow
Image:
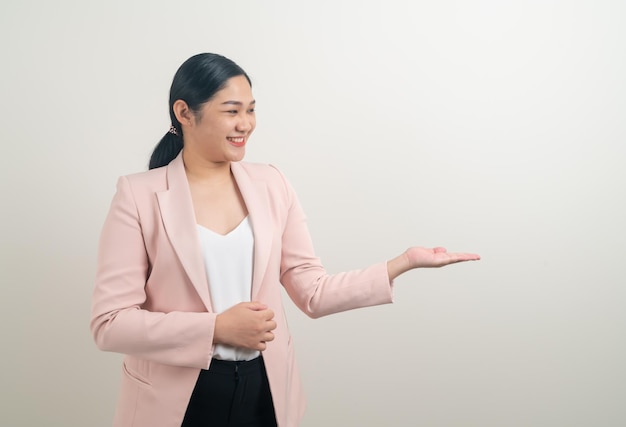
x: 237, y: 102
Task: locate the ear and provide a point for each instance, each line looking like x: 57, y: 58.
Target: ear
x: 182, y: 112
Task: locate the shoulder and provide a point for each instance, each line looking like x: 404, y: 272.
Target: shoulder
x: 149, y: 176
x: 258, y: 169
x: 276, y: 182
x: 264, y: 172
x: 154, y: 179
x: 139, y: 188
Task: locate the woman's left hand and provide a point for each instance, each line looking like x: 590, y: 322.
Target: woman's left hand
x: 418, y: 257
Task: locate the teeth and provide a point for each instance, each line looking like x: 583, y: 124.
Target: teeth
x: 240, y: 139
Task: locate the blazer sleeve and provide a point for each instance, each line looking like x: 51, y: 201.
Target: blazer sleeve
x: 308, y: 285
x: 118, y: 321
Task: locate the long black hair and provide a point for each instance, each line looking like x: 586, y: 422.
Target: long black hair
x: 197, y: 80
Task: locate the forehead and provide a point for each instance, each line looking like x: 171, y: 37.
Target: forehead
x: 236, y: 89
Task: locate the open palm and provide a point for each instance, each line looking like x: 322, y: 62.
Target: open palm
x: 419, y: 257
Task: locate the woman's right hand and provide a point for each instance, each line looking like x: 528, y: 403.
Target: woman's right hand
x: 245, y: 325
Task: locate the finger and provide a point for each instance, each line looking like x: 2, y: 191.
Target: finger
x: 469, y: 257
x: 268, y: 314
x: 464, y: 257
x: 271, y: 325
x: 256, y: 306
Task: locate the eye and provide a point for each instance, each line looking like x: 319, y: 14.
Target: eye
x: 252, y: 110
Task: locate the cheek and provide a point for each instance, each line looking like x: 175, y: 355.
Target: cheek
x: 216, y: 130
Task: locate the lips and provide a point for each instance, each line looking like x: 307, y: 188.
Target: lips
x: 238, y: 141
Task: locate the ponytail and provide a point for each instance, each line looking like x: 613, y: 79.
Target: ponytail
x: 166, y: 150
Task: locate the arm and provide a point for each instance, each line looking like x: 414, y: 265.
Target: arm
x: 119, y: 322
x: 314, y: 291
x: 317, y: 294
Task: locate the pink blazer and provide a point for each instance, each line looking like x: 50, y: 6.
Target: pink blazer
x: 151, y: 299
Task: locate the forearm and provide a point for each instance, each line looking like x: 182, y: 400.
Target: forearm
x: 319, y: 294
x: 176, y: 338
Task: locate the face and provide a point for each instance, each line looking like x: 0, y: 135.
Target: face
x: 220, y: 131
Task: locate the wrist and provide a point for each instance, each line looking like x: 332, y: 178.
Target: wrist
x: 217, y: 328
x: 398, y: 265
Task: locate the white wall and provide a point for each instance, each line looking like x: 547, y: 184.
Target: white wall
x: 487, y: 126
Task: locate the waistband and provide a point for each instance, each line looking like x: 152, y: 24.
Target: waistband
x: 242, y: 367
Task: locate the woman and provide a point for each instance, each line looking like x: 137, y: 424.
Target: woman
x: 191, y: 260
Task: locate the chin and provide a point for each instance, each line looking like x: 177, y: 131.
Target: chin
x: 236, y: 157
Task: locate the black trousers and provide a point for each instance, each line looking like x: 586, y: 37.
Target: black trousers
x: 231, y: 394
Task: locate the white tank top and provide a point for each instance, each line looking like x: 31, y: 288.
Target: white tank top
x: 228, y: 260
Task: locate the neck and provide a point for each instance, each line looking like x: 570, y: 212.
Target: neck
x: 200, y: 169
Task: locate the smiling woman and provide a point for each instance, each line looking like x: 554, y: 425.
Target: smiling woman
x: 191, y: 261
x: 197, y: 82
x: 219, y: 131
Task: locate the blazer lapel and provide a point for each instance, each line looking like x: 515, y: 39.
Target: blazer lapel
x: 180, y: 225
x: 255, y: 196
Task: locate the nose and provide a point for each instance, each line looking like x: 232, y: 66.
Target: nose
x: 245, y: 124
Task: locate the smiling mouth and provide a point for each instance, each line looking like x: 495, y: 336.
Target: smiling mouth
x: 238, y: 141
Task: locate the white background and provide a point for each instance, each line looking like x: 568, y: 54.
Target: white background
x: 495, y: 127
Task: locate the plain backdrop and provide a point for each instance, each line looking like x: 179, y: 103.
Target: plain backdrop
x: 496, y: 127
